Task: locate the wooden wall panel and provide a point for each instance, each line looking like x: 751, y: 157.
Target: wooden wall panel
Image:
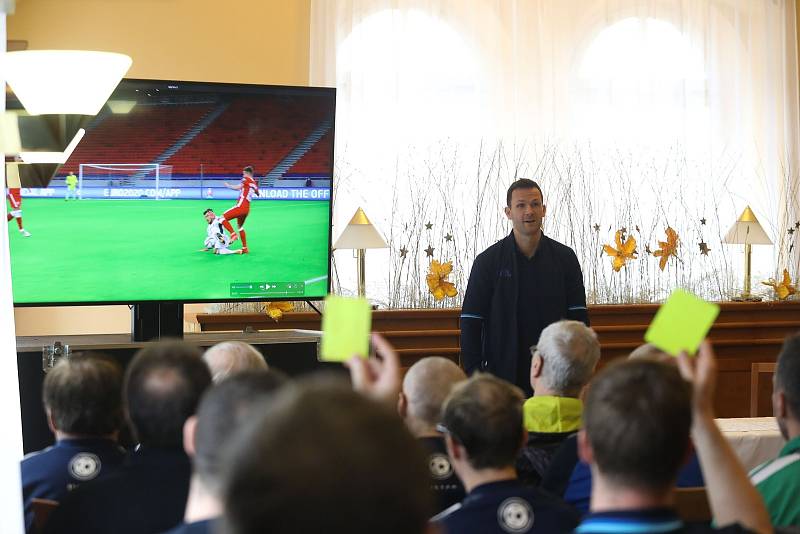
x: 744, y: 333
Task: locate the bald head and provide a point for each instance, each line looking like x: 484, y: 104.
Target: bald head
x: 648, y: 351
x: 231, y: 357
x: 425, y: 387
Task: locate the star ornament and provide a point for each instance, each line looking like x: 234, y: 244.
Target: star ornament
x: 403, y: 252
x: 784, y: 288
x: 623, y: 252
x: 275, y: 310
x: 704, y: 250
x: 668, y: 248
x: 448, y: 237
x: 438, y: 285
x: 429, y: 251
x: 428, y: 226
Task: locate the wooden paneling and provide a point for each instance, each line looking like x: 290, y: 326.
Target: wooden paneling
x: 744, y: 334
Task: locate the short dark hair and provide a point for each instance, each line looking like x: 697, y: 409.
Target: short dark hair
x: 484, y: 414
x: 522, y: 183
x: 209, y: 209
x: 224, y: 408
x: 322, y: 458
x: 637, y: 418
x: 248, y: 170
x: 84, y: 395
x: 787, y: 373
x: 163, y: 385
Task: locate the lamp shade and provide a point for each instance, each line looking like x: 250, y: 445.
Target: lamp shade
x: 747, y: 231
x: 52, y: 82
x: 359, y: 233
x: 58, y: 158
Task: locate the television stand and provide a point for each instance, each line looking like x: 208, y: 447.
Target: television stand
x: 156, y: 320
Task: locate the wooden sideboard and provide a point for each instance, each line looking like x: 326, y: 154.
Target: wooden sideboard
x: 744, y: 333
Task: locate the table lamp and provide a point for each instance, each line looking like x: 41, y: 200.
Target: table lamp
x: 359, y: 234
x: 747, y: 231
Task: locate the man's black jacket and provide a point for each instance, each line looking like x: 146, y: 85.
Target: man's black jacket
x: 489, y: 329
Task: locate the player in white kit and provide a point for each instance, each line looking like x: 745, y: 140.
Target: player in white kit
x: 216, y: 239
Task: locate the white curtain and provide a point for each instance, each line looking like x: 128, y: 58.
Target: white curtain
x: 632, y: 114
x: 11, y: 517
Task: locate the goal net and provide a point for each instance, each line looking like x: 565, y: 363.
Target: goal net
x: 124, y: 180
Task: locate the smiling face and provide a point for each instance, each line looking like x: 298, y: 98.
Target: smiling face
x: 526, y: 211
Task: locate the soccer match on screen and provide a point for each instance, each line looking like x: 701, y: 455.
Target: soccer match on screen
x: 182, y: 191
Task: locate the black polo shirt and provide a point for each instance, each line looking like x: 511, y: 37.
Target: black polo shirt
x: 445, y: 485
x: 508, y: 506
x: 534, y: 276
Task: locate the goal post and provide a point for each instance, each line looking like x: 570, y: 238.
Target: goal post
x: 132, y: 180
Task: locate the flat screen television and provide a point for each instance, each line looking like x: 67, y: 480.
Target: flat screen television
x: 133, y: 227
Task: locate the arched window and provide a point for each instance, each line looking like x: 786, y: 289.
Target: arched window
x: 641, y: 80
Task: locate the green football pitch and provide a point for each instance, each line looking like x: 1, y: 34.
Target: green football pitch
x: 137, y: 250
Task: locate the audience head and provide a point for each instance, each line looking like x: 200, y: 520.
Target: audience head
x: 522, y: 183
x: 322, y: 458
x: 483, y: 416
x: 564, y: 359
x: 425, y: 388
x: 231, y: 357
x: 648, y: 351
x: 163, y: 385
x: 786, y: 393
x: 82, y: 396
x: 224, y: 409
x: 636, y: 425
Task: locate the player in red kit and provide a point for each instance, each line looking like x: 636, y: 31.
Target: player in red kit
x: 14, y: 198
x: 248, y: 188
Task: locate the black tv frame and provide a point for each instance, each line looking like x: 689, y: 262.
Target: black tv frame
x: 153, y: 319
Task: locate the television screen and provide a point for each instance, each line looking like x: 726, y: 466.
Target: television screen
x: 183, y: 191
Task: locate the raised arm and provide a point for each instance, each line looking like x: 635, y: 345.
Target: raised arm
x: 236, y: 187
x: 732, y: 497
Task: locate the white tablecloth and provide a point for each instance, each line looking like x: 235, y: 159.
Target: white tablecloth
x: 755, y: 439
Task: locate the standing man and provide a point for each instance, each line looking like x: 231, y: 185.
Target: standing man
x: 516, y: 288
x: 72, y: 181
x: 248, y: 188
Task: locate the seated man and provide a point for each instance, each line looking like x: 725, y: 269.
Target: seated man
x: 562, y: 364
x: 778, y: 480
x: 425, y: 387
x: 319, y: 457
x: 225, y: 408
x: 484, y: 431
x: 568, y: 477
x: 230, y: 357
x: 83, y: 401
x: 635, y: 436
x: 163, y: 385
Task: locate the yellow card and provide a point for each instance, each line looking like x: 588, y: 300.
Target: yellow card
x: 346, y: 324
x: 681, y: 323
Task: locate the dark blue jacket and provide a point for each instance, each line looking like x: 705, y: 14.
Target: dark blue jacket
x: 53, y: 472
x: 147, y: 496
x: 489, y: 329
